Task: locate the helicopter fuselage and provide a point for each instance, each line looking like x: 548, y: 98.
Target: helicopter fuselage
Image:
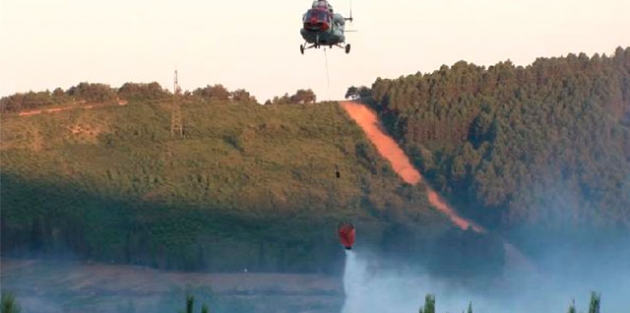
x: 323, y: 28
x: 324, y: 38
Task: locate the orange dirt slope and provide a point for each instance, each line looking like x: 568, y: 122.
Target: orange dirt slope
x: 389, y: 150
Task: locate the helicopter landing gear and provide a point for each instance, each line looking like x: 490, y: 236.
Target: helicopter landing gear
x: 345, y: 47
x: 304, y: 47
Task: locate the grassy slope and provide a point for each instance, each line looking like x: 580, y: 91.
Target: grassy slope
x: 246, y: 185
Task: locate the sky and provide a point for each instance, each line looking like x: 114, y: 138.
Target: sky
x: 254, y: 45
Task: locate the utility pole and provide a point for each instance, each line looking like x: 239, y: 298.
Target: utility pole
x: 176, y: 112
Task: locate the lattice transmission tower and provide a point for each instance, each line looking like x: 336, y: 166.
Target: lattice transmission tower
x: 177, y: 128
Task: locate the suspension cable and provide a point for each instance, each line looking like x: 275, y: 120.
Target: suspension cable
x: 327, y: 74
x: 336, y: 129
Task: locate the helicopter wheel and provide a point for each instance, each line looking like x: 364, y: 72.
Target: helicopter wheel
x: 302, y: 49
x: 347, y: 48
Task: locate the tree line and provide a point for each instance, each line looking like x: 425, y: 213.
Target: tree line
x: 85, y: 92
x: 594, y: 305
x: 10, y: 305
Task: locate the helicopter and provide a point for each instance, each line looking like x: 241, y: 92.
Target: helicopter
x: 322, y: 27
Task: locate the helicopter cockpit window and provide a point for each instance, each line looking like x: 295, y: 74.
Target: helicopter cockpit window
x: 318, y: 15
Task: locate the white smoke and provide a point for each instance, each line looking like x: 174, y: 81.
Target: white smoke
x: 372, y: 290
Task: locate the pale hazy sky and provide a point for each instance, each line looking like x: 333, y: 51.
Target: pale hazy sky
x: 255, y: 44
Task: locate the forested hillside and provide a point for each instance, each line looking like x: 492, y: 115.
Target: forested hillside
x: 542, y: 149
x: 248, y: 186
x: 540, y: 153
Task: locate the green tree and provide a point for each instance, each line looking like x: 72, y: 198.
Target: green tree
x: 429, y: 304
x: 190, y: 302
x: 594, y: 305
x: 358, y: 92
x: 216, y: 92
x: 242, y: 95
x: 303, y: 96
x: 9, y: 304
x: 136, y: 91
x: 352, y: 93
x: 285, y: 99
x: 92, y: 92
x: 572, y: 307
x: 190, y: 305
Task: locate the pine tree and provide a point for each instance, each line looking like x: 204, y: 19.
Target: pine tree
x: 594, y: 305
x: 190, y: 303
x: 9, y: 305
x: 429, y: 304
x: 190, y: 300
x: 572, y: 307
x: 470, y: 310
